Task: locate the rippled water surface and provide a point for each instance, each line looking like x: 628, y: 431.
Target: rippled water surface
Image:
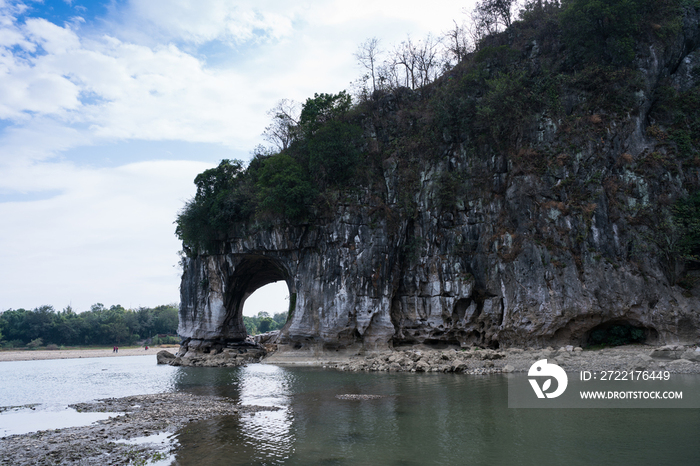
x: 420, y: 419
x: 34, y: 395
x: 58, y: 382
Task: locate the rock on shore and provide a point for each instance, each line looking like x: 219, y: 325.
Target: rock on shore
x: 230, y: 355
x: 474, y: 360
x: 675, y: 359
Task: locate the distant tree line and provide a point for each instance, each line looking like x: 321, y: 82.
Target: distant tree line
x: 100, y: 325
x: 264, y: 323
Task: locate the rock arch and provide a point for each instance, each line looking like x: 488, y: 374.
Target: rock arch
x: 356, y: 283
x: 251, y: 273
x: 211, y: 310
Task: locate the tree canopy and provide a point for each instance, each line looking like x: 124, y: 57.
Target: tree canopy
x: 318, y: 152
x: 264, y: 323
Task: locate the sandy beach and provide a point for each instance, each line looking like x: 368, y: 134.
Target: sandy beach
x: 33, y: 355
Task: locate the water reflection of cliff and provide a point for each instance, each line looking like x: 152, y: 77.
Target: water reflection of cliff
x: 420, y: 419
x: 265, y: 437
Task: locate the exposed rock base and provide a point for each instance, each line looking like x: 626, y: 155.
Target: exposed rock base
x: 675, y: 359
x: 216, y: 355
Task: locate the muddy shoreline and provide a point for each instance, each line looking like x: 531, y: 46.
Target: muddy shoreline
x: 106, y: 442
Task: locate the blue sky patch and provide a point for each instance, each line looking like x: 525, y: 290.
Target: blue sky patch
x: 61, y: 12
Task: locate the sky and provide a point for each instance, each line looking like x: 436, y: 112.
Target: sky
x: 110, y: 108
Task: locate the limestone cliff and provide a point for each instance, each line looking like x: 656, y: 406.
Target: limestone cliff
x: 519, y: 200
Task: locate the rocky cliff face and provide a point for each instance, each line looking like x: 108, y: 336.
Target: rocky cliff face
x: 536, y: 242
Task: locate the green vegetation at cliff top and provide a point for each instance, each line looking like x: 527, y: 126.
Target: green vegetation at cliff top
x: 572, y: 62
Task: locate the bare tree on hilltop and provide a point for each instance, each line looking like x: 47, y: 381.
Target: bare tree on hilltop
x: 285, y: 119
x: 458, y: 42
x: 367, y: 56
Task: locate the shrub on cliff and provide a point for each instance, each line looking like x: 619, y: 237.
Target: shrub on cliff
x: 285, y: 187
x: 601, y: 29
x: 323, y: 154
x: 606, y: 31
x: 321, y: 109
x: 224, y: 196
x: 333, y: 155
x: 328, y: 143
x: 686, y: 214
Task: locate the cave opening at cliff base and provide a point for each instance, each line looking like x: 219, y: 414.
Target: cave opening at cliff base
x: 612, y: 332
x: 618, y: 333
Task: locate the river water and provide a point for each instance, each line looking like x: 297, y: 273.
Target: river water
x: 440, y: 419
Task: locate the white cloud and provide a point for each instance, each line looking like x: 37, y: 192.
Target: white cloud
x: 119, y: 90
x: 53, y: 39
x: 145, y: 72
x: 167, y: 94
x: 32, y: 85
x: 203, y: 21
x: 108, y: 237
x: 43, y: 139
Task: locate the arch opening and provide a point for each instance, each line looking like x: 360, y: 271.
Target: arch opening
x: 267, y: 308
x: 251, y: 273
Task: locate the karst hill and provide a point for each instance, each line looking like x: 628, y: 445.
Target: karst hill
x: 545, y: 190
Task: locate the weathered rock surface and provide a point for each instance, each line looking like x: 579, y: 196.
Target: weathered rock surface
x: 667, y: 352
x: 518, y: 258
x: 165, y: 357
x: 674, y: 352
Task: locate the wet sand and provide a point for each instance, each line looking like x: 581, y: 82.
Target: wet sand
x: 34, y: 355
